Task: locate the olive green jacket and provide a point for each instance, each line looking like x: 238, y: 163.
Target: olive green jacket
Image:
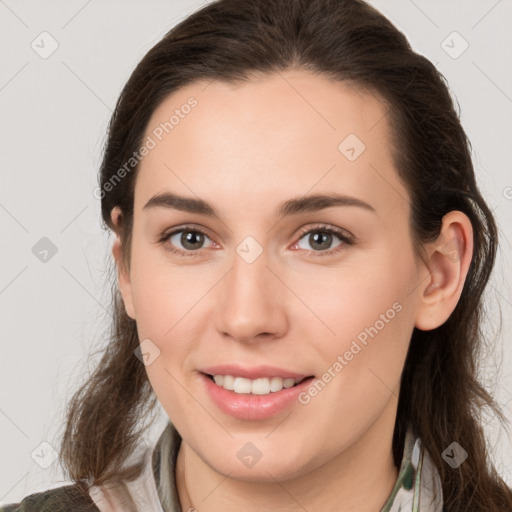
x: 417, y: 488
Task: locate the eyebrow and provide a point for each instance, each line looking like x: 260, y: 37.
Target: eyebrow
x: 294, y: 206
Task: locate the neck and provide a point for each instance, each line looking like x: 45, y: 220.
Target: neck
x: 359, y: 478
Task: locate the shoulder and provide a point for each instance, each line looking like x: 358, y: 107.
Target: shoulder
x: 61, y: 499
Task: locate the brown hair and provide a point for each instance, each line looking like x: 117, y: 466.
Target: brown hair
x: 349, y: 41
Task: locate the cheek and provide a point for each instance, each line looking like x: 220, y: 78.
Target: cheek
x: 162, y: 293
x: 359, y: 369
x: 169, y: 305
x: 370, y: 313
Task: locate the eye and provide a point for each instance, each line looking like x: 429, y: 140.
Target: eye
x: 190, y: 238
x: 321, y: 238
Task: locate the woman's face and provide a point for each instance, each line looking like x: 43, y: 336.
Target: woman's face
x: 267, y: 286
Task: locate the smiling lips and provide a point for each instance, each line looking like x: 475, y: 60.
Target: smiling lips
x: 261, y: 386
x: 255, y: 372
x: 253, y: 393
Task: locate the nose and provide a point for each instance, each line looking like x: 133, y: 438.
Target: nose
x: 251, y: 302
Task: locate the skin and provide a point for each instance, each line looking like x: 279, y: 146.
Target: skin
x: 245, y: 149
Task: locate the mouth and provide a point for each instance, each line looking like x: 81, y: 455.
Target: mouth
x: 253, y: 399
x: 260, y: 386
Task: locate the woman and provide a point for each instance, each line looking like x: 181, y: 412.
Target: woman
x: 301, y: 251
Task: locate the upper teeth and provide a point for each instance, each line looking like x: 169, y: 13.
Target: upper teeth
x: 261, y: 386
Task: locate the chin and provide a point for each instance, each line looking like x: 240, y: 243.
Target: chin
x: 265, y: 470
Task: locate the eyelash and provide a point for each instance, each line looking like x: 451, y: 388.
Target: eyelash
x: 346, y: 240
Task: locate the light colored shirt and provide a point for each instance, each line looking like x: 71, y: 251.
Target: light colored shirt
x: 417, y: 488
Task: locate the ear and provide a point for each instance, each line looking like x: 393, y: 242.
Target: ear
x: 123, y: 274
x: 447, y: 265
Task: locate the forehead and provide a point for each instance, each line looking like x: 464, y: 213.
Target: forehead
x: 288, y: 132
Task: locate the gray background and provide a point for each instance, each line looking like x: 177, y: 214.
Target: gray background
x: 54, y: 115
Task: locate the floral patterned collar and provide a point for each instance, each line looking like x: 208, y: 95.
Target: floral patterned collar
x: 418, y: 486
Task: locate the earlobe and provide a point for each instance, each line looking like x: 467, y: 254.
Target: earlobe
x: 447, y: 265
x: 123, y: 275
